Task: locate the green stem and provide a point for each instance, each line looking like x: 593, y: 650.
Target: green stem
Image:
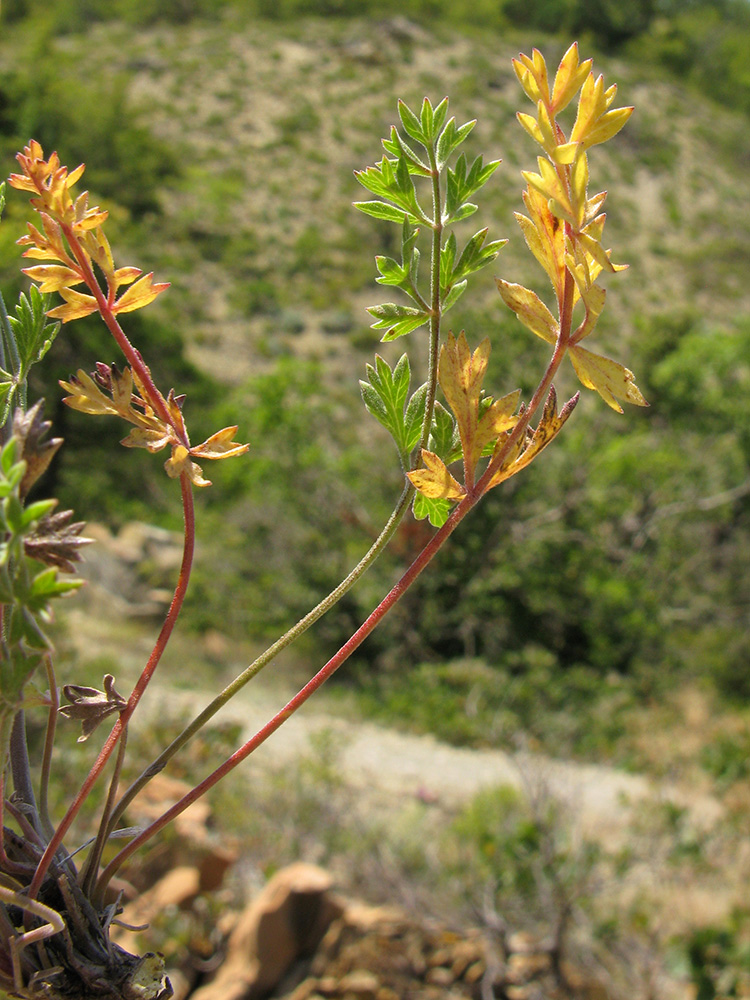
x: 394, y: 595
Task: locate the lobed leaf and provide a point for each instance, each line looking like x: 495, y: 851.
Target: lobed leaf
x: 435, y: 481
x: 438, y: 511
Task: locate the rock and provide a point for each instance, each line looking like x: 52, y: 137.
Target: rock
x: 287, y: 919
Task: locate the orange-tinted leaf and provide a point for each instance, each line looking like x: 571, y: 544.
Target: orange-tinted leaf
x: 530, y: 309
x: 611, y: 380
x: 461, y: 374
x: 435, y: 481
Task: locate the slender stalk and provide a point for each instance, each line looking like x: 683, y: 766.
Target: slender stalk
x: 21, y: 770
x: 135, y: 696
x: 396, y: 592
x: 394, y: 595
x: 49, y: 745
x: 91, y: 868
x: 362, y: 566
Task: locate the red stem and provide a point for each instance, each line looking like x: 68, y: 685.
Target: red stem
x: 425, y: 556
x: 155, y: 398
x: 394, y: 595
x: 140, y: 686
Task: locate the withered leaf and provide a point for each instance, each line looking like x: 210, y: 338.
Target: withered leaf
x: 90, y: 705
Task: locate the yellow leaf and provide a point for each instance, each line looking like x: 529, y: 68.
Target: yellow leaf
x: 611, y: 380
x: 568, y: 79
x: 498, y: 418
x: 53, y: 277
x: 139, y: 294
x: 76, y: 306
x: 608, y: 125
x: 143, y: 437
x: 593, y: 299
x: 220, y: 445
x: 180, y: 462
x: 461, y: 374
x: 434, y: 481
x: 545, y: 236
x: 86, y: 396
x: 550, y: 425
x: 530, y: 309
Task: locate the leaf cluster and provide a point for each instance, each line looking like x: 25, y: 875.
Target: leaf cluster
x: 422, y: 150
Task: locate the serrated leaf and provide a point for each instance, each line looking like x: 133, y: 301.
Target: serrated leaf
x: 550, y: 425
x: 385, y: 397
x: 391, y: 272
x: 435, y: 481
x: 438, y: 511
x: 609, y: 378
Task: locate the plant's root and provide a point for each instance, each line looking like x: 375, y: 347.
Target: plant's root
x: 57, y: 947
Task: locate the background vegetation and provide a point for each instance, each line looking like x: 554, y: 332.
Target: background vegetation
x: 617, y: 569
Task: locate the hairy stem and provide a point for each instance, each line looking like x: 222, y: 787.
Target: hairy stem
x: 137, y: 692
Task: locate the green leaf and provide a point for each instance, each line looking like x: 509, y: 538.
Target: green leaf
x: 414, y: 417
x: 32, y: 333
x: 475, y: 255
x: 412, y: 124
x: 398, y: 148
x: 450, y: 139
x: 379, y: 210
x: 437, y: 511
x: 391, y: 272
x: 396, y: 319
x: 461, y: 185
x: 464, y: 212
x: 36, y: 510
x: 385, y: 397
x: 8, y: 387
x: 447, y: 260
x: 454, y: 295
x: 13, y: 514
x: 444, y: 439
